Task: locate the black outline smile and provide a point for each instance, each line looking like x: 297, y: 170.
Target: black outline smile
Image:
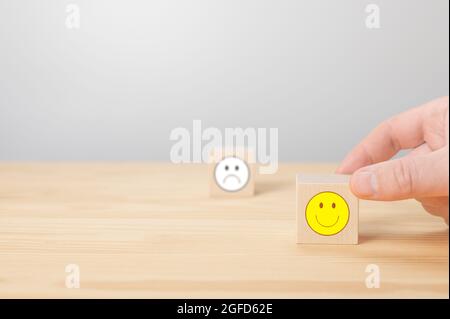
x: 317, y: 219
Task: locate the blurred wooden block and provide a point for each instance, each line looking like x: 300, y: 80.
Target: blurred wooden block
x: 327, y: 211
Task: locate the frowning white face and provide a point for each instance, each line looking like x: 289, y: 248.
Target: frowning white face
x: 231, y: 174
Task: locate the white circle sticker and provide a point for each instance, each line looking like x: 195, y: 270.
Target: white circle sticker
x: 231, y: 174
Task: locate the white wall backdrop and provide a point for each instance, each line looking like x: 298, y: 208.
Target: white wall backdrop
x: 115, y: 88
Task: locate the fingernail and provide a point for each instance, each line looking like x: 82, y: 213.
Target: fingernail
x: 364, y: 184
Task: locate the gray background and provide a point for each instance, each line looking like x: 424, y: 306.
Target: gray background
x: 114, y: 89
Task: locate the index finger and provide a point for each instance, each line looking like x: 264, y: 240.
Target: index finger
x: 403, y: 131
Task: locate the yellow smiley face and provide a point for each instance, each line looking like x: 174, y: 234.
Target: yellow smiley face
x: 327, y: 213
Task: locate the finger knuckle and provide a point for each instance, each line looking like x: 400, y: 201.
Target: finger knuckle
x: 404, y: 176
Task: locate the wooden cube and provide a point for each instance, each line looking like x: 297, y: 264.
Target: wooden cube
x: 327, y: 211
x: 232, y: 173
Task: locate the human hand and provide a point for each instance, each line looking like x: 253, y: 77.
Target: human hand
x: 422, y: 174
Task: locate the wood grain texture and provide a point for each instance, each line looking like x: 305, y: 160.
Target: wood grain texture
x: 151, y: 230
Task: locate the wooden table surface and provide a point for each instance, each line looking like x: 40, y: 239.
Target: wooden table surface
x: 150, y: 230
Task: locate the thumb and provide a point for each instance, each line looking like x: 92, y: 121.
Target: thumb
x: 408, y: 177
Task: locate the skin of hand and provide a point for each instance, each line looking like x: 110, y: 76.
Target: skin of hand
x: 422, y: 174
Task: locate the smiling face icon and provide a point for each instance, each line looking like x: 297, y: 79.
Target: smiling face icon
x: 327, y: 213
x: 231, y: 174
